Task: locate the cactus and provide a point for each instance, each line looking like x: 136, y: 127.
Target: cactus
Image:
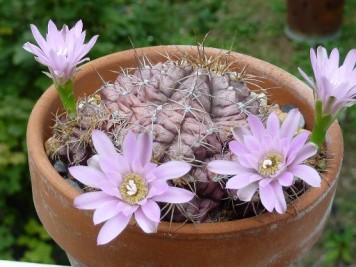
x: 188, y: 104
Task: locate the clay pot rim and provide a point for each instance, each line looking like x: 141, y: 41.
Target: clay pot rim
x: 298, y: 208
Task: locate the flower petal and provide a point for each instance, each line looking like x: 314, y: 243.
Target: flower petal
x: 103, y: 144
x: 36, y: 51
x: 87, y: 175
x: 129, y: 146
x: 237, y: 147
x: 112, y: 228
x: 92, y: 200
x: 307, y: 78
x: 93, y: 162
x: 286, y: 179
x: 157, y: 187
x: 88, y: 46
x: 171, y: 169
x: 38, y: 37
x: 307, y: 174
x: 295, y: 145
x: 246, y: 193
x: 174, y: 195
x: 256, y: 125
x: 306, y: 152
x: 272, y: 125
x: 110, y: 167
x: 240, y: 180
x: 105, y: 211
x: 334, y: 57
x: 127, y: 209
x: 280, y: 201
x: 290, y: 124
x: 147, y: 225
x: 118, y: 164
x: 148, y: 170
x: 109, y: 188
x: 151, y: 210
x: 249, y: 160
x: 137, y: 167
x: 239, y: 131
x: 264, y: 182
x: 144, y: 148
x: 267, y: 197
x: 350, y: 59
x: 224, y: 167
x: 251, y: 143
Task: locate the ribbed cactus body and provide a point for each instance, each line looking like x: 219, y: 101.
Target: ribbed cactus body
x: 189, y: 110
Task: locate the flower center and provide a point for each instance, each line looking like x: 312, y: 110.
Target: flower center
x: 270, y: 164
x: 133, y: 189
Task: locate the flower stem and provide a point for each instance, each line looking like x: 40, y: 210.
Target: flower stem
x: 321, y: 124
x: 66, y: 93
x: 318, y: 135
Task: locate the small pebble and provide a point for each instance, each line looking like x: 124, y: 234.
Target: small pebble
x: 74, y: 184
x: 60, y: 167
x: 287, y: 108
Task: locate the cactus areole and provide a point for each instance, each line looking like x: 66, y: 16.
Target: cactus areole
x: 188, y: 99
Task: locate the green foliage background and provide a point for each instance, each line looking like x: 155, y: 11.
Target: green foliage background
x: 252, y: 27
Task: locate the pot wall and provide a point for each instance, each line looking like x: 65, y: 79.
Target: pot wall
x: 268, y: 240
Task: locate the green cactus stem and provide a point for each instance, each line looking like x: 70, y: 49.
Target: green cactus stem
x: 321, y: 124
x: 66, y: 93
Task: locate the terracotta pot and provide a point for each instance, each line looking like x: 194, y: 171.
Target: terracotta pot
x: 317, y: 20
x: 267, y: 240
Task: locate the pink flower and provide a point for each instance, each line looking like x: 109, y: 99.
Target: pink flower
x: 332, y: 80
x: 61, y: 51
x: 268, y: 159
x: 129, y: 184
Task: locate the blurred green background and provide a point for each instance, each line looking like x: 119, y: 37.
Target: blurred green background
x: 253, y: 27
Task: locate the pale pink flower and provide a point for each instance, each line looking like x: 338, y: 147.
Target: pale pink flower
x: 332, y: 80
x: 268, y: 159
x: 61, y: 51
x: 130, y: 184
